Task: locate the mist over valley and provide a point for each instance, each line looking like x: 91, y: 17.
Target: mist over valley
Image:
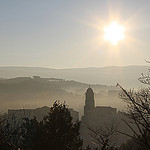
x: 32, y: 87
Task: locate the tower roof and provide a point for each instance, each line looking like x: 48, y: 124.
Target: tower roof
x: 89, y: 90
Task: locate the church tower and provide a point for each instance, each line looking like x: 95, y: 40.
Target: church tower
x: 89, y: 101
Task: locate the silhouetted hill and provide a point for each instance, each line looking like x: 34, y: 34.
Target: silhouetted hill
x: 34, y: 92
x: 126, y: 76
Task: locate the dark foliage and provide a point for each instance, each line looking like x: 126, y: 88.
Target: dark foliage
x: 5, y: 144
x: 57, y: 131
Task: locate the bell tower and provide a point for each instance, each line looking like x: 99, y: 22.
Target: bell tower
x: 89, y: 101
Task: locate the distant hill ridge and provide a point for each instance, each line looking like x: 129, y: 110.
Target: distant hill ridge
x: 125, y: 75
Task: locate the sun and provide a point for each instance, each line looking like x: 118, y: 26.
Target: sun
x: 114, y: 33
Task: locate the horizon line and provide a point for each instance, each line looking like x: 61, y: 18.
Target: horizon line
x: 72, y: 67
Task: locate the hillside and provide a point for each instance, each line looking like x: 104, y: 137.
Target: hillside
x: 126, y: 76
x: 36, y: 91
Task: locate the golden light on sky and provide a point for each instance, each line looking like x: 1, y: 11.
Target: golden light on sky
x: 114, y: 33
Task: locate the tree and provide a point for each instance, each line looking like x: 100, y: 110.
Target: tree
x: 28, y: 133
x: 105, y: 136
x: 139, y: 114
x: 57, y: 131
x: 132, y: 144
x: 5, y: 144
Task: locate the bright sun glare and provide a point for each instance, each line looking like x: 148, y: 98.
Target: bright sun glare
x: 114, y: 33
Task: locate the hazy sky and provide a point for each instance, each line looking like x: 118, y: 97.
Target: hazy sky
x: 69, y: 33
